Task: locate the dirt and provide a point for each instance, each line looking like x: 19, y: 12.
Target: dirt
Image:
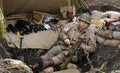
x: 108, y: 55
x: 104, y: 5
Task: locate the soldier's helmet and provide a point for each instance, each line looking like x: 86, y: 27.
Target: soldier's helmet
x: 85, y: 17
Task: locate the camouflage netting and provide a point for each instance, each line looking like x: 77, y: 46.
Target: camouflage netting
x: 13, y: 66
x: 106, y: 58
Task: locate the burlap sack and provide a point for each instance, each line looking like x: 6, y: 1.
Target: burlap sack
x: 112, y: 42
x: 117, y: 71
x: 100, y: 39
x: 105, y: 34
x: 48, y: 70
x: 69, y: 71
x: 71, y: 66
x: 119, y: 46
x: 116, y: 35
x: 35, y: 17
x: 111, y: 14
x: 96, y: 14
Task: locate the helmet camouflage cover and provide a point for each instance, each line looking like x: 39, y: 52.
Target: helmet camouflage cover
x: 85, y: 17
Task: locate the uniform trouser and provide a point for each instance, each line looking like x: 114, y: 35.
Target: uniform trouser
x: 56, y: 54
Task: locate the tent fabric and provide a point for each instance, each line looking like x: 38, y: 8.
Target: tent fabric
x: 25, y: 6
x: 11, y: 7
x: 39, y: 40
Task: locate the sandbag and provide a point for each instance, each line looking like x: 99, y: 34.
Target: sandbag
x: 119, y: 46
x: 112, y: 42
x: 48, y: 70
x: 100, y: 39
x: 105, y: 34
x: 111, y: 14
x: 96, y: 14
x: 68, y: 71
x: 71, y: 66
x: 116, y: 35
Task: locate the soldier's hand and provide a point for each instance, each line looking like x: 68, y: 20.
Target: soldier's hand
x: 67, y: 41
x: 83, y: 46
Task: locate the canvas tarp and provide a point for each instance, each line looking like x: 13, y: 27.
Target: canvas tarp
x: 24, y: 6
x: 11, y: 7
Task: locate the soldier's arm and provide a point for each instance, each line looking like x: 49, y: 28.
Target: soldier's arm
x: 91, y: 46
x: 67, y: 27
x: 63, y: 35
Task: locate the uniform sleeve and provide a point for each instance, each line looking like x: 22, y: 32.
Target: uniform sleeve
x: 91, y: 46
x: 63, y: 34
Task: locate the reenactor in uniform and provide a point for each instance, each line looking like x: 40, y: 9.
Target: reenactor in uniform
x: 69, y: 36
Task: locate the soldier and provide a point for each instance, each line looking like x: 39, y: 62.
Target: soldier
x: 69, y: 36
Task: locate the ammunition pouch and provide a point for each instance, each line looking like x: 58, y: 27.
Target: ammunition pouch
x: 79, y: 51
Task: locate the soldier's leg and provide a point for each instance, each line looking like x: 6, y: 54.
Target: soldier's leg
x: 51, y: 53
x: 58, y: 59
x: 46, y: 60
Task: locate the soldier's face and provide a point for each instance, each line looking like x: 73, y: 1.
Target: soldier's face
x: 83, y: 25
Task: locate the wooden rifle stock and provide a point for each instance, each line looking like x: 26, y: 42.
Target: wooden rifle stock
x: 109, y: 22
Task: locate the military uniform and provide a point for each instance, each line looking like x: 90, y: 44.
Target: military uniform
x: 72, y: 32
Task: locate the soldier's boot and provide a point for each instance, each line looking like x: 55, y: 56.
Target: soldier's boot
x: 42, y: 64
x: 48, y: 63
x: 37, y: 65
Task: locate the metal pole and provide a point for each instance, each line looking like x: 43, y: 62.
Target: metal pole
x: 21, y: 40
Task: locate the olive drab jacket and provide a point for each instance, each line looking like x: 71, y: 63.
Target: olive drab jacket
x: 72, y: 32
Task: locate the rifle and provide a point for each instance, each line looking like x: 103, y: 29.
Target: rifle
x: 108, y: 23
x: 71, y: 53
x: 84, y: 7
